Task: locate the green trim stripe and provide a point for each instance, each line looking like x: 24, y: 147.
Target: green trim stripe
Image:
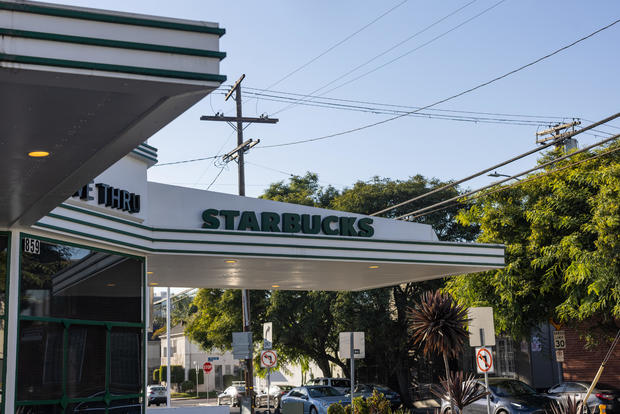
x: 261, y: 234
x: 110, y: 18
x: 144, y: 144
x: 119, y: 44
x: 147, y: 151
x: 164, y: 73
x: 292, y: 256
x: 281, y: 245
x: 141, y: 154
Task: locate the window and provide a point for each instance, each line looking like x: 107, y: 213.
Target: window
x: 80, y: 344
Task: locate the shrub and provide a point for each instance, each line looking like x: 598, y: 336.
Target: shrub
x: 336, y: 408
x: 377, y: 404
x: 360, y: 406
x: 187, y: 386
x: 156, y: 375
x: 177, y: 374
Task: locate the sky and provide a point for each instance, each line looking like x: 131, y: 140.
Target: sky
x: 468, y: 43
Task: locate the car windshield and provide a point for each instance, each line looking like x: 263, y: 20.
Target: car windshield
x: 323, y: 392
x: 509, y: 388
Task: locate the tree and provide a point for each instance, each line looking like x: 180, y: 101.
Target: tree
x: 304, y: 190
x: 562, y: 238
x: 438, y: 324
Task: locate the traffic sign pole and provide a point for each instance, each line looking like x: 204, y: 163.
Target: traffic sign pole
x: 486, y: 375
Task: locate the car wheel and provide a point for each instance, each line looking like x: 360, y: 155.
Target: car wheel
x: 313, y: 410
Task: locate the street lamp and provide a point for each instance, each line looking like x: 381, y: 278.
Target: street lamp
x: 496, y: 174
x: 196, y: 368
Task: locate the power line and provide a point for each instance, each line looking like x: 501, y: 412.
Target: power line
x: 336, y: 45
x: 415, y: 49
x: 448, y: 98
x: 501, y: 164
x: 536, y: 177
x: 381, y: 54
x: 185, y: 161
x: 572, y: 154
x: 216, y: 177
x: 325, y: 98
x: 383, y: 111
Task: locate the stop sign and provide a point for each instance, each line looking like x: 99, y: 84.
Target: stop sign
x: 207, y: 367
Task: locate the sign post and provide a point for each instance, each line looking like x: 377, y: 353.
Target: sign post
x: 482, y: 334
x: 207, y: 367
x: 268, y: 359
x: 352, y: 346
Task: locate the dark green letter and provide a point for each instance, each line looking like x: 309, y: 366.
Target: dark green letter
x: 325, y: 225
x: 269, y: 222
x: 210, y: 221
x: 248, y: 220
x: 229, y: 216
x: 365, y: 227
x: 305, y: 224
x: 291, y: 223
x: 346, y: 226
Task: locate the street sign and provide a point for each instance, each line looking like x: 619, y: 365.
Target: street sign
x: 559, y: 340
x: 484, y: 360
x: 358, y: 345
x: 267, y: 335
x: 481, y: 318
x: 207, y: 367
x: 559, y: 355
x: 212, y: 358
x: 242, y: 345
x: 268, y: 358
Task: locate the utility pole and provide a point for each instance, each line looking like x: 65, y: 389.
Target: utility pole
x: 238, y: 154
x: 563, y: 138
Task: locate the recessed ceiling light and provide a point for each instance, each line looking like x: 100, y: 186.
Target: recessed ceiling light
x: 149, y: 273
x: 111, y: 284
x: 153, y: 283
x: 373, y: 267
x: 275, y: 286
x: 230, y: 261
x: 38, y: 154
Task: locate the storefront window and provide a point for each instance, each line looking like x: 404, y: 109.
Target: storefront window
x: 80, y: 331
x: 4, y: 277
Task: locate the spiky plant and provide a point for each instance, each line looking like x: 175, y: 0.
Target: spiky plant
x: 437, y: 322
x: 568, y: 405
x: 460, y: 389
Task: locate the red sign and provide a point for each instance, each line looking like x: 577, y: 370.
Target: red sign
x: 484, y: 359
x: 207, y: 367
x: 268, y: 359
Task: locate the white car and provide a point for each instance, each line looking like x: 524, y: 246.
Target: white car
x: 341, y: 384
x: 156, y: 394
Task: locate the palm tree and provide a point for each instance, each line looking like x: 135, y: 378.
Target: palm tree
x: 437, y: 323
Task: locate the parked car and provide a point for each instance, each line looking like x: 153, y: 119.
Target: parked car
x: 508, y: 396
x: 230, y: 396
x: 315, y: 398
x: 341, y: 384
x: 366, y: 390
x: 156, y: 394
x: 275, y: 394
x: 601, y: 395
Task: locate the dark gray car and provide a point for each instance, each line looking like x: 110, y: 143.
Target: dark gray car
x: 601, y: 395
x: 508, y: 396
